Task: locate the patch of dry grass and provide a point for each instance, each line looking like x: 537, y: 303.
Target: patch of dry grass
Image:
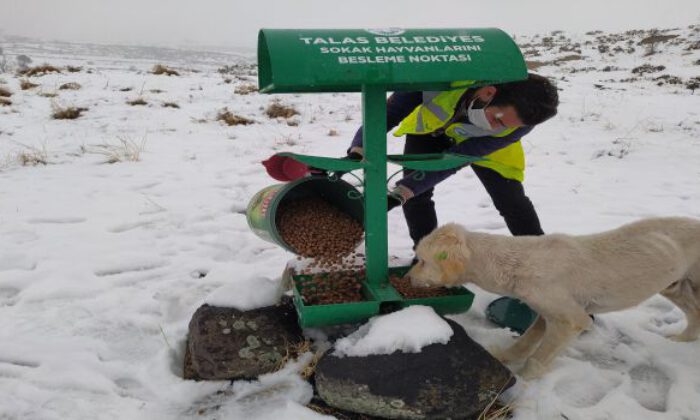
x: 26, y: 84
x: 5, y: 102
x: 125, y: 150
x: 40, y: 70
x: 245, y: 89
x: 48, y: 94
x: 170, y: 105
x: 5, y: 92
x: 73, y: 69
x: 161, y: 69
x: 277, y: 109
x: 67, y: 113
x: 231, y: 119
x: 137, y: 101
x: 497, y: 411
x: 126, y: 89
x: 70, y: 86
x: 156, y: 90
x: 32, y: 158
x: 27, y: 156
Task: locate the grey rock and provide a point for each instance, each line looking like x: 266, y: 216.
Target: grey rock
x: 456, y: 380
x: 254, y: 344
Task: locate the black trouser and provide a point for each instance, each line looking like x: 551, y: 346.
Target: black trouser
x: 508, y: 196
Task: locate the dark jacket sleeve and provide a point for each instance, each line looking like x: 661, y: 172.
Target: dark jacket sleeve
x: 477, y: 146
x: 398, y: 106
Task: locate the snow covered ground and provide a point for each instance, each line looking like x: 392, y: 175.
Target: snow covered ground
x: 102, y: 265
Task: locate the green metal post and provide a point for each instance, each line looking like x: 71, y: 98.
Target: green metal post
x: 374, y: 135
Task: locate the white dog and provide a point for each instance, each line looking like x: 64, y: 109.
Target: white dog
x: 564, y: 278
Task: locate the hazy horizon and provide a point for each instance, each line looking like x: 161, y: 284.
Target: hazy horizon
x: 226, y: 24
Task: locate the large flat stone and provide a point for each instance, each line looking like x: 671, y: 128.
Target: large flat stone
x: 454, y: 380
x: 225, y: 343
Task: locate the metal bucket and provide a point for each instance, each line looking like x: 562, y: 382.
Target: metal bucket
x: 262, y: 209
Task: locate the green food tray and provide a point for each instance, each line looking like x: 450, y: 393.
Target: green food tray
x: 460, y: 300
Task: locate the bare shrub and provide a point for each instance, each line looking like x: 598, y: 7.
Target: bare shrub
x: 276, y: 110
x: 70, y: 86
x: 26, y: 84
x: 40, y: 70
x: 647, y: 68
x: 126, y: 89
x: 170, y: 105
x: 68, y: 113
x: 570, y: 57
x: 4, y: 101
x: 3, y: 61
x: 156, y: 90
x: 245, y: 89
x: 48, y: 94
x: 667, y: 79
x: 333, y: 132
x: 32, y: 157
x: 5, y: 92
x: 231, y: 119
x: 125, y: 150
x: 73, y: 69
x: 27, y: 156
x: 23, y: 61
x: 534, y: 64
x: 161, y: 69
x: 654, y: 39
x: 137, y: 101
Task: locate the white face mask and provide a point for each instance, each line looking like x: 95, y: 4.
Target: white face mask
x: 477, y: 117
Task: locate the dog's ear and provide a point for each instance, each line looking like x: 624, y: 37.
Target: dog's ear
x: 452, y: 254
x: 446, y: 237
x: 452, y: 264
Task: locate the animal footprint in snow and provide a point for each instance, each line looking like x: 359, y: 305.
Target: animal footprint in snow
x: 585, y: 390
x: 650, y: 387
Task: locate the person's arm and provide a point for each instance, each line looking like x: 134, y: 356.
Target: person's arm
x: 398, y: 106
x: 478, y: 146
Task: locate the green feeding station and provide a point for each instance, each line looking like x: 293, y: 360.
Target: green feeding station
x: 373, y: 62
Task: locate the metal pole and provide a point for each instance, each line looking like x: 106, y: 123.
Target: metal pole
x: 374, y: 135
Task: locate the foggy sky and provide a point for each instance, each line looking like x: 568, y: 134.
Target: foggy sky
x: 236, y: 22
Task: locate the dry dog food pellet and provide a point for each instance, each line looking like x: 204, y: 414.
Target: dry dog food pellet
x: 331, y: 288
x: 316, y: 229
x: 403, y: 285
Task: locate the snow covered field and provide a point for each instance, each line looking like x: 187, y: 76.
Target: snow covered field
x: 102, y: 264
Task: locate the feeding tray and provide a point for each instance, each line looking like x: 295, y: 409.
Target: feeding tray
x: 433, y: 161
x: 376, y: 302
x: 422, y: 162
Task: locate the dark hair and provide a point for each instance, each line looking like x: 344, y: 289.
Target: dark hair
x: 535, y: 98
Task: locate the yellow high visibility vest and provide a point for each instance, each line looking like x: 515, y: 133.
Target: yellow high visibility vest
x: 436, y: 111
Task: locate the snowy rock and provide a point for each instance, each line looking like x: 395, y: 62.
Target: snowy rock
x: 225, y: 343
x: 454, y: 380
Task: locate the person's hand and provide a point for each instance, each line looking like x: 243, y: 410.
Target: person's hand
x: 398, y: 197
x: 354, y: 156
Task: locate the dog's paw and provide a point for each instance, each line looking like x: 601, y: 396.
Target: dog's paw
x: 532, y: 370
